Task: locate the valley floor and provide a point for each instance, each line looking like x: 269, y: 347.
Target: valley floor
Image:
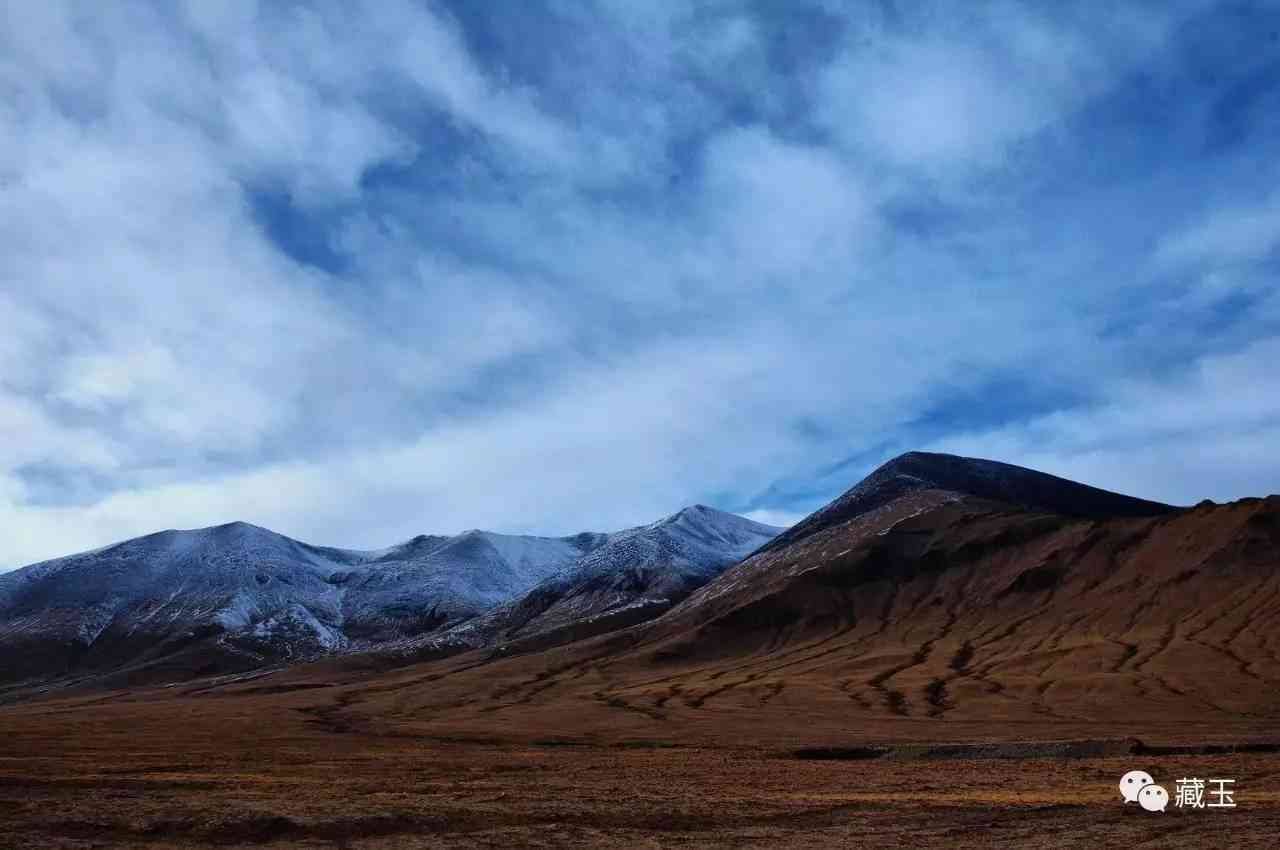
x: 298, y: 763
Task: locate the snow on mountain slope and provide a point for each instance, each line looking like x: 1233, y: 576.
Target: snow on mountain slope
x: 629, y: 576
x: 237, y: 596
x: 165, y: 591
x: 432, y: 582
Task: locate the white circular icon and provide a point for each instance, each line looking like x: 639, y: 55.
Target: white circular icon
x: 1132, y: 783
x: 1153, y: 798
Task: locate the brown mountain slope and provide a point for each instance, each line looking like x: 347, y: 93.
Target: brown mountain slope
x: 932, y: 614
x: 976, y: 477
x: 964, y: 609
x: 934, y: 618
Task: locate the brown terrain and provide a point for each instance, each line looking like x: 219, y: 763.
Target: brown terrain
x: 934, y: 668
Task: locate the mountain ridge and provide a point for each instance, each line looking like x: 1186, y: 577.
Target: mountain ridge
x: 250, y: 596
x: 978, y: 477
x: 246, y: 594
x: 635, y: 575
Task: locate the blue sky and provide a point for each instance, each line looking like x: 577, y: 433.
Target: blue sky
x: 360, y: 271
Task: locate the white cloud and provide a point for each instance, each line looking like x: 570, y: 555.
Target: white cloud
x: 430, y: 51
x: 769, y: 516
x: 641, y: 427
x: 781, y: 212
x: 577, y: 296
x: 959, y: 86
x: 30, y: 436
x: 1206, y: 433
x: 931, y: 104
x: 286, y: 130
x: 1235, y: 235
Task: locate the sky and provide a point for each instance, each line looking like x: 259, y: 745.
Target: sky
x: 359, y: 271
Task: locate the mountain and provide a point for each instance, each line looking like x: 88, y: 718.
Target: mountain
x: 942, y: 598
x: 937, y: 590
x: 431, y: 582
x: 1014, y: 485
x: 630, y: 576
x: 237, y: 596
x: 989, y: 654
x: 994, y: 660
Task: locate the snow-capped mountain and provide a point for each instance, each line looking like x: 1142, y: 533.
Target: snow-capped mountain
x: 632, y: 575
x: 430, y: 582
x: 237, y: 596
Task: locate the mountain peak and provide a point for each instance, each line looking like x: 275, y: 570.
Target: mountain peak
x: 240, y: 525
x: 704, y: 515
x: 975, y: 477
x: 698, y: 510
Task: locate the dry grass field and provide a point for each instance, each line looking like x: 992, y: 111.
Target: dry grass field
x: 298, y: 759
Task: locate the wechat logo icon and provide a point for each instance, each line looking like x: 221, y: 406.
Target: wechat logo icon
x: 1137, y: 786
x: 1132, y: 783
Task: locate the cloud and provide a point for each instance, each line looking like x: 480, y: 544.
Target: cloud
x: 779, y: 212
x: 956, y: 88
x: 1227, y: 236
x: 930, y: 103
x: 636, y: 427
x: 768, y: 516
x: 1202, y: 434
x: 360, y: 272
